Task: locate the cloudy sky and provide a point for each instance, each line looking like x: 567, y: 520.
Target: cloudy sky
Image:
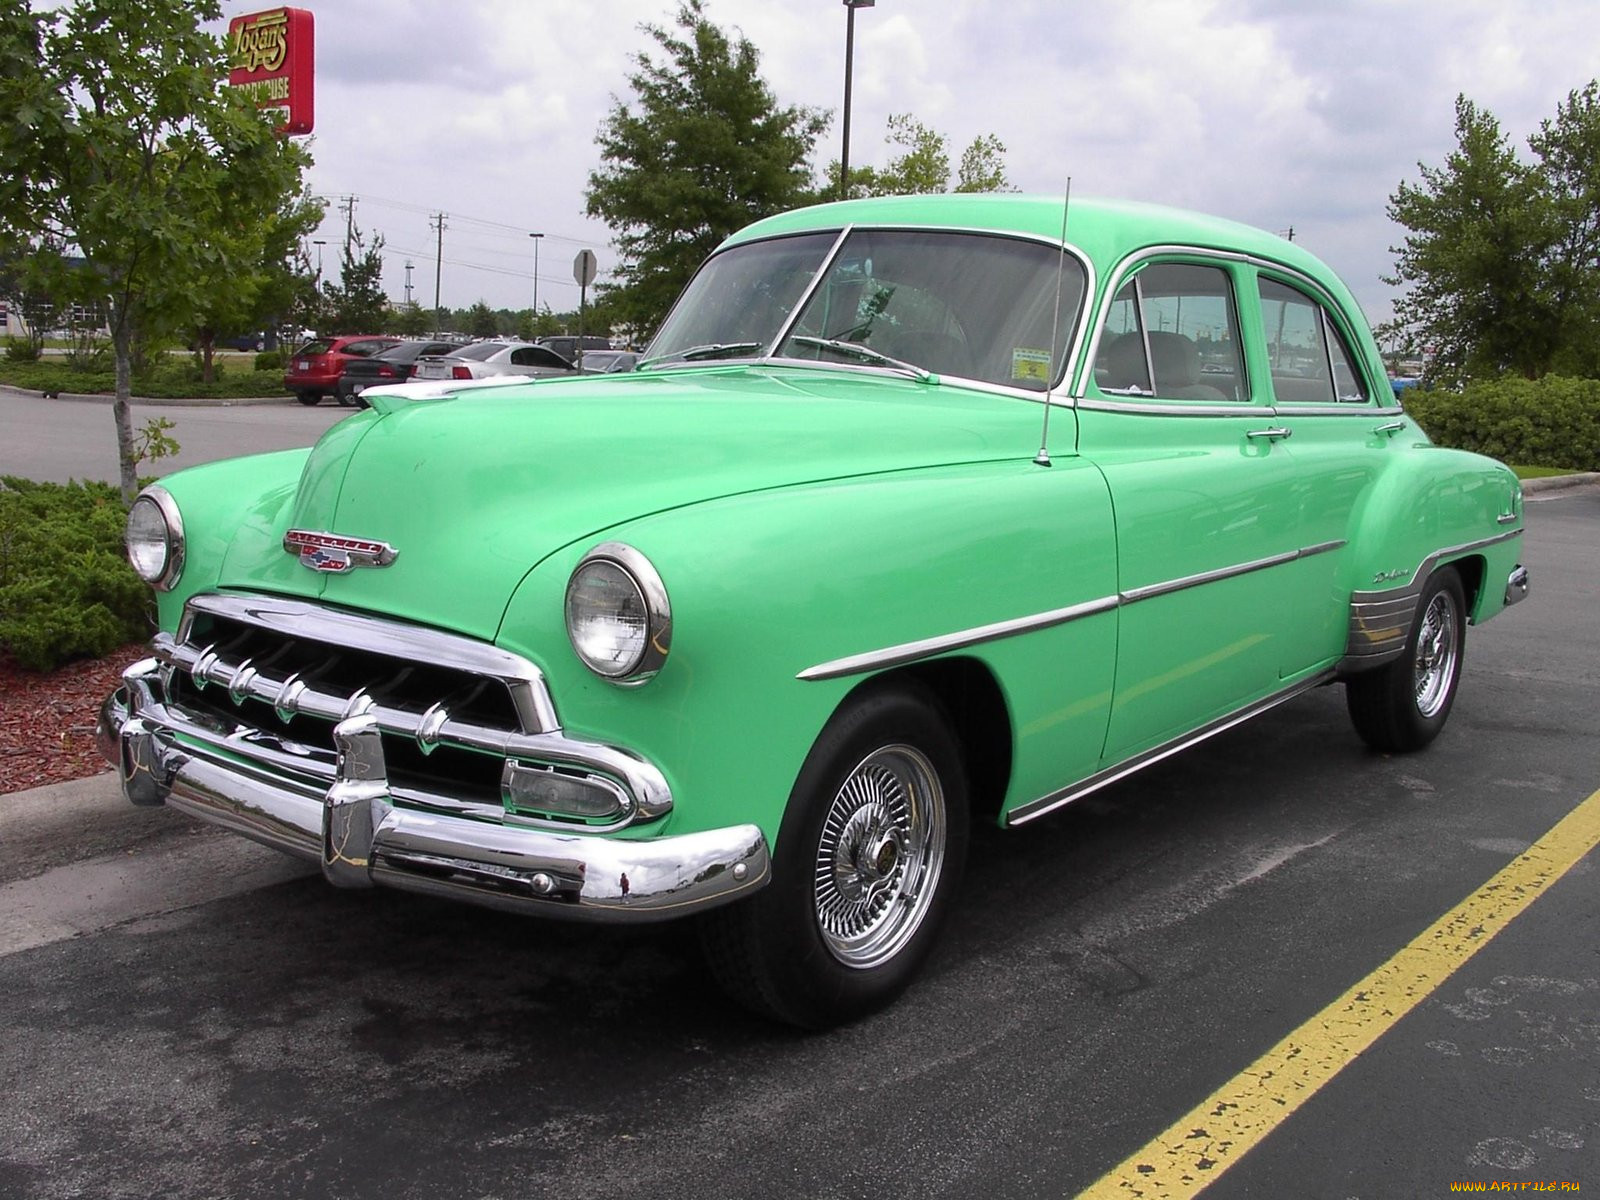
x: 1301, y: 114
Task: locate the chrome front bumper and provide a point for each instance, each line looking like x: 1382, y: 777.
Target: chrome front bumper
x: 362, y: 837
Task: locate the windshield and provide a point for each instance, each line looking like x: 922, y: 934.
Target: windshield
x: 978, y: 306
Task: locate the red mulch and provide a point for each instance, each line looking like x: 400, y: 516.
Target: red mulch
x: 47, y: 720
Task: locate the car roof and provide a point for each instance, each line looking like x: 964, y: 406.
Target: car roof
x: 1104, y: 229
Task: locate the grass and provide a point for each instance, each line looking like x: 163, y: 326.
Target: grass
x: 1542, y: 472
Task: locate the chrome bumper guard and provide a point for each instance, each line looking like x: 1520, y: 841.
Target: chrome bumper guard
x: 361, y: 837
x: 1517, y: 586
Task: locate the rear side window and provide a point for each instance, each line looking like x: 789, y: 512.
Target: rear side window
x: 1172, y: 332
x: 366, y: 347
x: 1310, y: 360
x: 310, y: 348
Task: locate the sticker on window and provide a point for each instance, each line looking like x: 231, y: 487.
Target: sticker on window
x: 1030, y: 366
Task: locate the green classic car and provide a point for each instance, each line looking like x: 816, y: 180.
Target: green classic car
x: 918, y: 511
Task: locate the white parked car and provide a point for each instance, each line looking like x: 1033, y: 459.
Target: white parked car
x: 484, y: 359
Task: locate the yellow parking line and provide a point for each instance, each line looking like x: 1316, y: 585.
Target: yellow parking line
x: 1217, y: 1132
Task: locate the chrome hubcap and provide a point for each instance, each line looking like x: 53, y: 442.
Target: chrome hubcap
x: 1438, y: 647
x: 879, y: 856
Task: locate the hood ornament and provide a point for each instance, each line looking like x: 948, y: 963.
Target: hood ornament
x: 334, y: 553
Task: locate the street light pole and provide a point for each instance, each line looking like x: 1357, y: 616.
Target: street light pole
x: 537, y: 237
x: 319, y: 243
x: 850, y: 7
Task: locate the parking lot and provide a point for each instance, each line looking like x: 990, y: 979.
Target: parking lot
x: 193, y: 1015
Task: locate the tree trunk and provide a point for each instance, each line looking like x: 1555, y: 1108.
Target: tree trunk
x: 127, y: 456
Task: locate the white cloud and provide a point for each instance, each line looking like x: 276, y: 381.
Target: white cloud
x: 1275, y: 112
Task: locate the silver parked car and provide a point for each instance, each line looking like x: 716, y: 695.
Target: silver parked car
x: 484, y: 359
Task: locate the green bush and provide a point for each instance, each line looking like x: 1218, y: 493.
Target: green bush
x: 66, y: 590
x: 270, y: 360
x: 1549, y: 422
x: 21, y: 351
x: 174, y: 380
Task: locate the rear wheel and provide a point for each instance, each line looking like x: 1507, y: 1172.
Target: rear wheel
x: 869, y: 855
x: 309, y: 398
x: 1404, y: 705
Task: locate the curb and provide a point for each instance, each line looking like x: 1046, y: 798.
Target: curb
x: 203, y: 402
x: 1560, y: 483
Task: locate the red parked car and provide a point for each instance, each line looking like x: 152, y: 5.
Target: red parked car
x: 315, y: 368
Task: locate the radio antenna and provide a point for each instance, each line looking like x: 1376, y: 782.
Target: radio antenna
x: 1043, y: 457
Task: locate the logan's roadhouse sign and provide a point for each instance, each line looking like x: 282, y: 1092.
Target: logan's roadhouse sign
x: 272, y: 64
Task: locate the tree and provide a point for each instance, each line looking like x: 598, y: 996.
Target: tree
x: 242, y: 304
x: 357, y: 303
x: 130, y: 168
x: 703, y: 149
x: 1568, y: 150
x: 481, y: 321
x: 1500, y: 261
x: 923, y: 164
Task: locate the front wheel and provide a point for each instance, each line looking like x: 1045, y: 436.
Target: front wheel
x: 869, y: 854
x: 309, y: 399
x: 1403, y: 706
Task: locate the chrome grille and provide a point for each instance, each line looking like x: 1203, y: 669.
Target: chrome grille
x: 266, y: 679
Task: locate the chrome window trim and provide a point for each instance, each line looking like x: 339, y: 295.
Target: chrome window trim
x: 1034, y: 809
x: 1364, y: 411
x: 907, y: 652
x: 1175, y: 408
x: 1084, y: 373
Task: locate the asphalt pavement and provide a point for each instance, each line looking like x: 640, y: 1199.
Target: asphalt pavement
x: 190, y: 1014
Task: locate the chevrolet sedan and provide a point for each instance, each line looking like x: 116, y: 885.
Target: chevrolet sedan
x: 918, y: 511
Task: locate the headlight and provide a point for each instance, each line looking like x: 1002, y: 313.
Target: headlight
x: 154, y: 538
x: 618, y: 618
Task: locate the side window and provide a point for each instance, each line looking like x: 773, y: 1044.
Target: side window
x: 1172, y: 332
x: 1311, y: 364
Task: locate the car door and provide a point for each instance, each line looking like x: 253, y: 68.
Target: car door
x: 1206, y: 506
x: 1341, y: 420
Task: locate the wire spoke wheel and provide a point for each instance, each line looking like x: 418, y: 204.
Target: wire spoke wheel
x: 1438, y: 644
x: 879, y: 856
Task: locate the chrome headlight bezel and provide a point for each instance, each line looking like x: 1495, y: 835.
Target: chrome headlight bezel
x: 160, y: 537
x: 620, y: 656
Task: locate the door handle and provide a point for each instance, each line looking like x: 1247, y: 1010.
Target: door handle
x: 1392, y: 428
x: 1276, y: 433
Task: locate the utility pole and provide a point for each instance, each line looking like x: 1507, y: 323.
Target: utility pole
x: 408, y: 282
x: 347, y: 205
x: 438, y: 263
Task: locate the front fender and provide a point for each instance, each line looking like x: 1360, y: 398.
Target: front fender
x: 765, y: 586
x: 222, y: 502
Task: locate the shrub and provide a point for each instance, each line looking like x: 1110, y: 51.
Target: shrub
x: 23, y: 351
x: 1549, y: 422
x: 66, y: 591
x: 270, y: 360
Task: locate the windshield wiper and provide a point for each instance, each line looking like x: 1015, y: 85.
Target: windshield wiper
x: 866, y: 354
x: 698, y: 353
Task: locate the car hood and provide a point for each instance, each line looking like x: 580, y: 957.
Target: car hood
x: 473, y: 492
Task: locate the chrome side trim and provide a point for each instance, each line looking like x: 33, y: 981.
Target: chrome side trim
x: 536, y: 710
x: 894, y: 656
x: 351, y: 826
x: 905, y: 652
x: 1380, y: 622
x: 1034, y: 809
